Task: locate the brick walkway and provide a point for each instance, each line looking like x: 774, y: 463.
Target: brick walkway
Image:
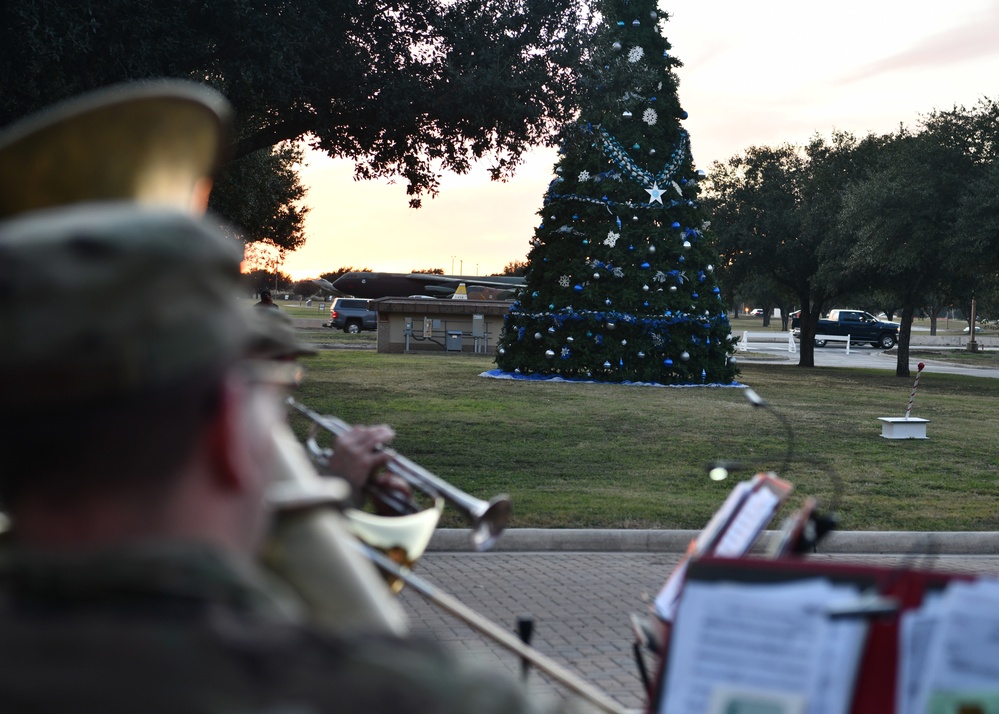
x: 580, y: 603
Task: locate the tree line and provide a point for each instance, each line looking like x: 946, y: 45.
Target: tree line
x: 904, y: 222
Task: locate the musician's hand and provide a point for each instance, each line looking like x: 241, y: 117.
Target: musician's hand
x: 357, y: 455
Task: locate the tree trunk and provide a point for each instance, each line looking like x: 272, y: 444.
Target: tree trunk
x: 808, y: 320
x: 904, y: 333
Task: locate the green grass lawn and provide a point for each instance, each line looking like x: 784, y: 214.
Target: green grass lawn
x: 611, y: 456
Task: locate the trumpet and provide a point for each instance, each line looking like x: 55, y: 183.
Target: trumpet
x: 488, y: 519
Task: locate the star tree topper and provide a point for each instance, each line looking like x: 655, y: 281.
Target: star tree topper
x: 655, y: 194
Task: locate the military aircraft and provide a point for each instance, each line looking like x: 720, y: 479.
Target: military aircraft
x: 378, y: 285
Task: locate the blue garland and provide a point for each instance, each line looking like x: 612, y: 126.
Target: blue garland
x: 551, y: 196
x: 619, y: 155
x: 664, y: 322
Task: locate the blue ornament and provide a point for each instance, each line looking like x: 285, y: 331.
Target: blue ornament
x: 618, y: 219
x: 668, y: 362
x: 620, y: 23
x: 652, y: 99
x: 635, y: 146
x: 606, y: 365
x: 715, y: 290
x: 607, y: 302
x: 675, y: 225
x: 684, y: 115
x: 575, y: 217
x: 534, y: 294
x: 644, y: 266
x: 645, y: 304
x: 682, y: 259
x: 586, y: 241
x: 693, y: 295
x: 541, y: 227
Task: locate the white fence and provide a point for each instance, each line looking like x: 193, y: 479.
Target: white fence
x: 743, y: 344
x: 836, y: 338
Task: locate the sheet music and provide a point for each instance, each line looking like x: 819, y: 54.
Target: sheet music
x: 748, y: 524
x: 954, y: 659
x: 775, y: 638
x: 730, y: 533
x: 916, y: 630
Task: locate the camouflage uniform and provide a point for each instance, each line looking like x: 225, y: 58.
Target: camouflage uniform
x: 164, y: 628
x: 106, y: 301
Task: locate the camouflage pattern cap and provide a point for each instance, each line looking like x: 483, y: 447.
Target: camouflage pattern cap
x: 100, y: 301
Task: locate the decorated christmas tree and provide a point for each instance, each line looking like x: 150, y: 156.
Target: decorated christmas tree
x: 620, y: 279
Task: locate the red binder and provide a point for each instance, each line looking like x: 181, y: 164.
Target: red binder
x: 876, y: 681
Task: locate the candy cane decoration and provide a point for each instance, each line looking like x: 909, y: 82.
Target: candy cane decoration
x: 912, y: 397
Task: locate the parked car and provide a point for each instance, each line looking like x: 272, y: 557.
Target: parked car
x: 352, y: 315
x: 756, y: 312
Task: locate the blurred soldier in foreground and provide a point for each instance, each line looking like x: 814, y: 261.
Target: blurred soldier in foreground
x: 138, y: 447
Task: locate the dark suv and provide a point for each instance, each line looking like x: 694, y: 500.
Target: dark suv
x: 352, y: 315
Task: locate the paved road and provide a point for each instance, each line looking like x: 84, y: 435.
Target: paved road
x: 865, y: 356
x: 580, y: 603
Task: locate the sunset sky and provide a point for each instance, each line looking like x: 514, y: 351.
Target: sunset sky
x: 762, y: 73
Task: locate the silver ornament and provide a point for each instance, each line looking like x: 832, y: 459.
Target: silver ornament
x: 686, y: 244
x: 549, y: 353
x: 624, y: 342
x: 684, y: 356
x: 652, y: 249
x: 645, y: 288
x: 537, y: 335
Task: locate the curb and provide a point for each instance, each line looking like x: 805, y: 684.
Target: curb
x: 526, y: 540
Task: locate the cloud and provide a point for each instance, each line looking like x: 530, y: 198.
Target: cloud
x: 973, y: 40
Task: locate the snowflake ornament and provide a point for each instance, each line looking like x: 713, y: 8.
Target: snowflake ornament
x: 650, y: 117
x: 611, y: 238
x: 564, y: 281
x: 584, y: 175
x: 635, y: 54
